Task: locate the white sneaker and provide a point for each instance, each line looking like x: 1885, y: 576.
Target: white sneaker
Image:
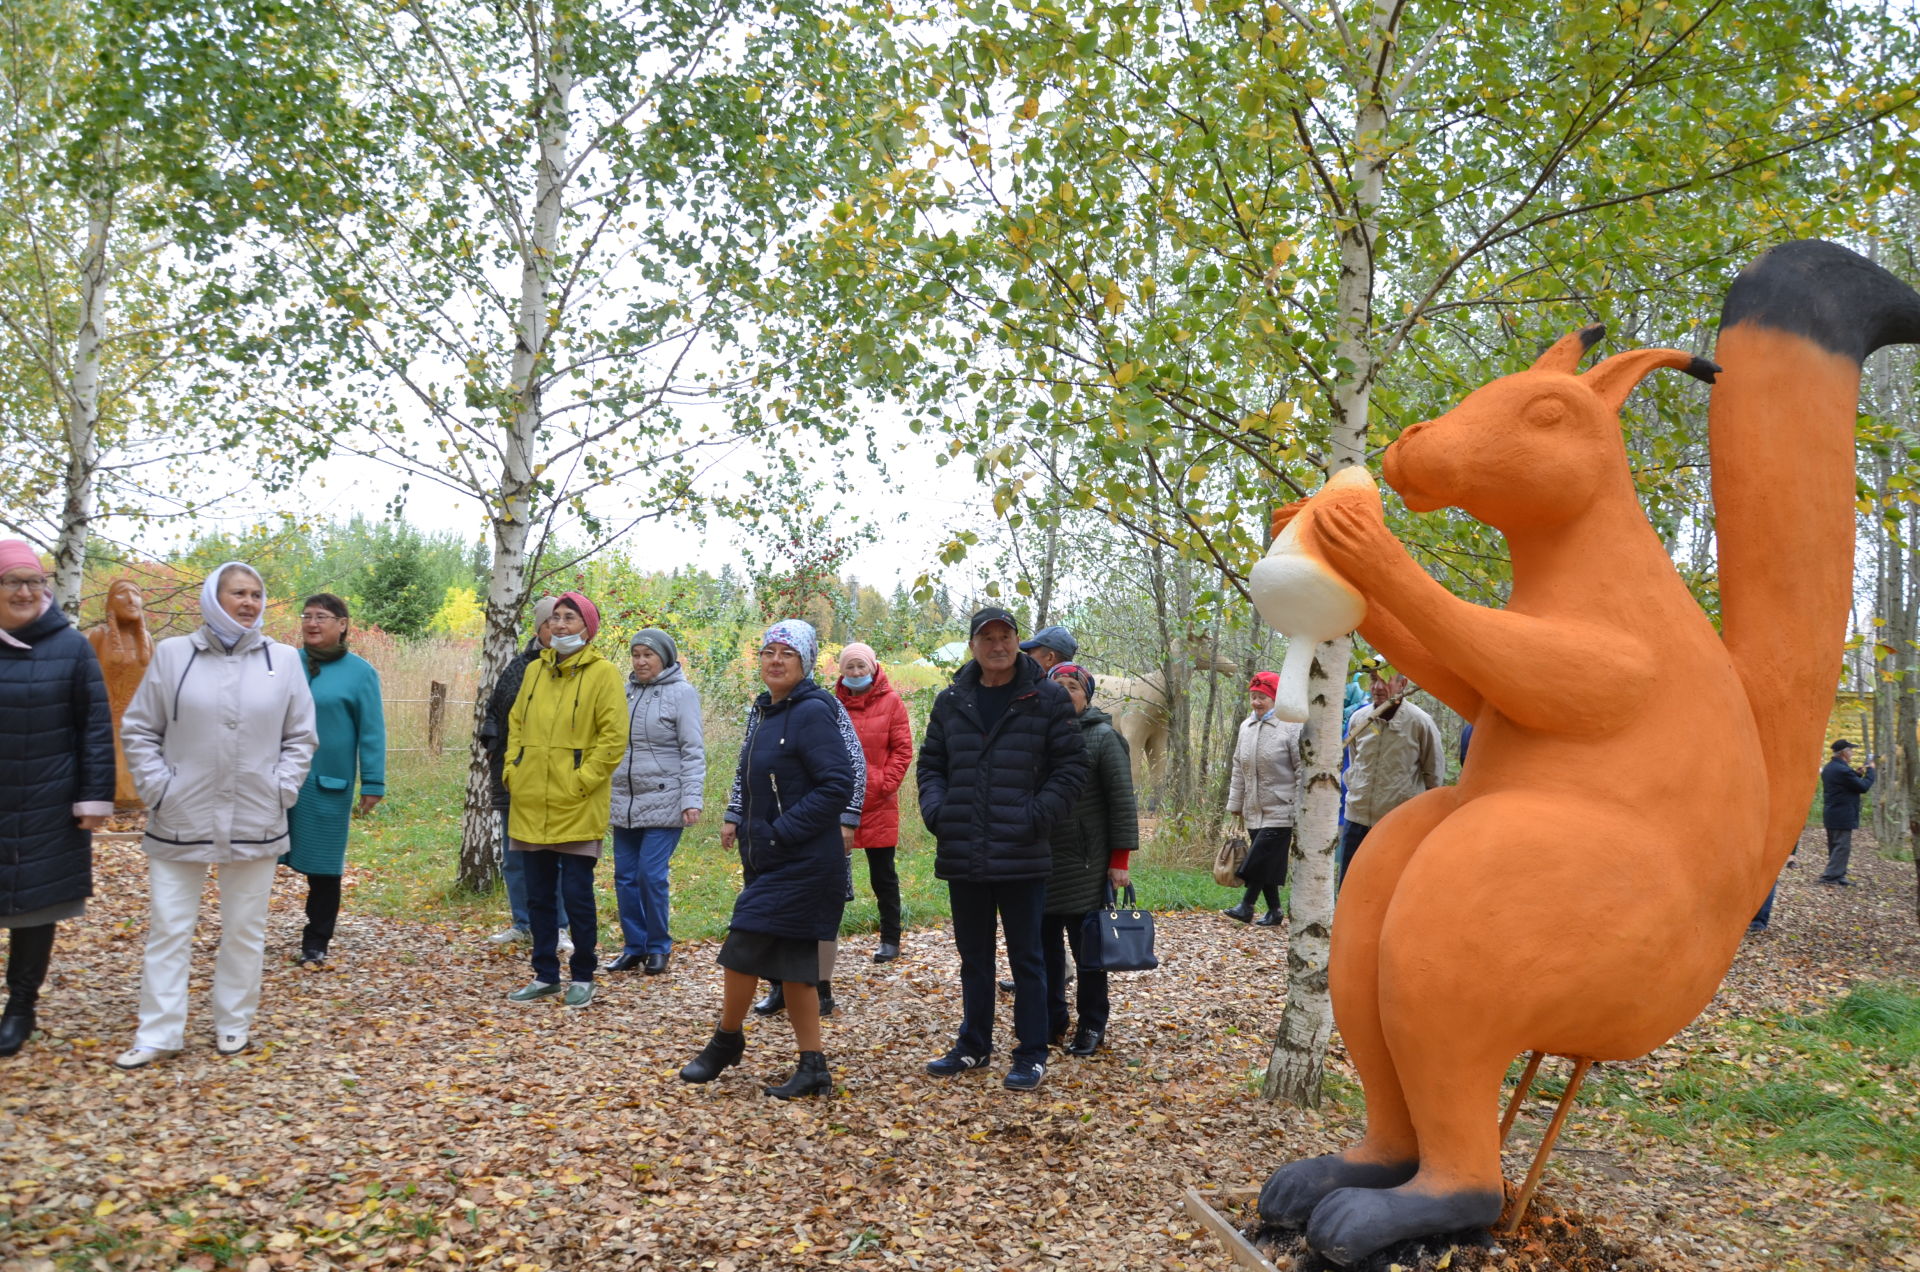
x: 510, y: 936
x: 141, y: 1057
x: 566, y: 944
x: 231, y: 1042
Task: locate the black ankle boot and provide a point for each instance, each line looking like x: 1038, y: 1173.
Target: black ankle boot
x: 15, y: 1028
x: 722, y: 1052
x: 811, y: 1076
x: 774, y: 1003
x: 826, y: 998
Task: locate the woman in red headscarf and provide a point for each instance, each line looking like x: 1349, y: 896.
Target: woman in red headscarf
x: 1263, y: 794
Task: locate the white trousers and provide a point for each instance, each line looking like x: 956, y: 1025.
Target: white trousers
x: 244, y: 889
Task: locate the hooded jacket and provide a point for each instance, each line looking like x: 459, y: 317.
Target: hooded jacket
x: 665, y: 768
x: 566, y: 733
x: 991, y: 797
x: 1103, y: 822
x: 56, y: 751
x: 218, y: 742
x: 886, y: 741
x: 794, y: 782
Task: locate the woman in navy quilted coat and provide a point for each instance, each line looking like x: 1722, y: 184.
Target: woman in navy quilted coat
x: 56, y: 778
x: 794, y: 782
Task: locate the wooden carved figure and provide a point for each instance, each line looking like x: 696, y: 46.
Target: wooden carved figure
x: 1578, y: 893
x: 124, y: 647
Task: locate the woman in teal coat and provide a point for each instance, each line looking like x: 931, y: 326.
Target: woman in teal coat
x: 353, y: 733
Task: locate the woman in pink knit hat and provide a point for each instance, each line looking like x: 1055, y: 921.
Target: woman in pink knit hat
x: 56, y: 778
x: 879, y: 717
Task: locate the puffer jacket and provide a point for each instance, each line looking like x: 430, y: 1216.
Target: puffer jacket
x: 493, y: 729
x: 1264, y: 788
x: 886, y: 741
x: 1103, y: 822
x: 56, y: 751
x: 565, y: 734
x: 991, y: 797
x: 794, y: 781
x: 219, y: 742
x: 665, y: 768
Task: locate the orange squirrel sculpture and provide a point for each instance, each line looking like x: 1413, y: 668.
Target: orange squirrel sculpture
x: 1579, y: 892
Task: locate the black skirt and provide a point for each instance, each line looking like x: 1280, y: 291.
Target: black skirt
x: 773, y: 958
x: 1266, y: 863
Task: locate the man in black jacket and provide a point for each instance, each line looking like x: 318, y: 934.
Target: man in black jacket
x: 1842, y: 788
x: 1002, y: 761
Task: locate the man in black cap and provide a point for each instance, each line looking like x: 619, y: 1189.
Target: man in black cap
x: 1843, y: 786
x: 1002, y: 761
x: 1051, y: 646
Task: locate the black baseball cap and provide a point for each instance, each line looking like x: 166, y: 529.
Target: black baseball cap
x: 1843, y: 745
x: 991, y: 614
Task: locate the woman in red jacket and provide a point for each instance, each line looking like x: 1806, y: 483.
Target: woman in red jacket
x: 879, y: 716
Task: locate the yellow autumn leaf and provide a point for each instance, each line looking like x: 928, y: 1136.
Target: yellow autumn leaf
x: 105, y: 1208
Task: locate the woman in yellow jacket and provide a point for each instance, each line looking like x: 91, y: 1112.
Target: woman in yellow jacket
x: 566, y: 733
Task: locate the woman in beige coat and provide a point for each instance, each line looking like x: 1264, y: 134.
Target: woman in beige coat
x: 1262, y: 794
x: 218, y: 738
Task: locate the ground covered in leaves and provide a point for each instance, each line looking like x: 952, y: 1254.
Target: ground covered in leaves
x: 397, y: 1112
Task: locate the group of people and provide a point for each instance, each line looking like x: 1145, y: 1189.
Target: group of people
x: 246, y: 753
x: 249, y: 754
x: 1392, y: 751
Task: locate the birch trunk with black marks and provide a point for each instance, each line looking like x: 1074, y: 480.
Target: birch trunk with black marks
x: 511, y: 513
x: 83, y: 410
x: 1297, y: 1066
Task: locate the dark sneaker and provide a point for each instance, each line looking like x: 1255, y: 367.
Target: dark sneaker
x: 955, y: 1062
x: 1025, y: 1075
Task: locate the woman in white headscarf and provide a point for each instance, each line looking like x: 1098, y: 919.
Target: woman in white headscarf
x: 218, y: 738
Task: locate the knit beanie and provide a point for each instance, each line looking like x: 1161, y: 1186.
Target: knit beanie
x: 859, y: 649
x: 543, y: 610
x: 587, y: 611
x: 1266, y: 682
x: 18, y: 554
x: 659, y: 642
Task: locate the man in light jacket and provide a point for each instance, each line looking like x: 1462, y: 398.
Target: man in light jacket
x: 1396, y: 752
x: 218, y: 739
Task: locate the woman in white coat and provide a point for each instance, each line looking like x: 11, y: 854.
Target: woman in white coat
x: 218, y: 738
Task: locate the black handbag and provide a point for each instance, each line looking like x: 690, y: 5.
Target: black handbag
x: 1117, y: 937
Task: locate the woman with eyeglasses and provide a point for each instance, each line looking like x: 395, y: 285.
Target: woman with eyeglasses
x: 56, y: 778
x: 353, y: 736
x: 218, y: 737
x: 795, y: 781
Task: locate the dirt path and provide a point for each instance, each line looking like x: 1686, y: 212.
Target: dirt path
x: 398, y: 1113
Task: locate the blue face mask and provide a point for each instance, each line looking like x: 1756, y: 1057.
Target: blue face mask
x: 858, y: 684
x: 567, y: 646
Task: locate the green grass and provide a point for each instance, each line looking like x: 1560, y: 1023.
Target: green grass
x: 1839, y: 1086
x: 410, y: 846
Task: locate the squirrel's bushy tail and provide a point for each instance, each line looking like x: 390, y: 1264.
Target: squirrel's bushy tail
x: 1794, y: 330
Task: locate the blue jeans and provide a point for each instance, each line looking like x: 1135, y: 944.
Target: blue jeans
x: 1766, y: 909
x: 1018, y: 907
x: 640, y: 857
x: 572, y: 876
x: 1352, y: 835
x: 513, y: 873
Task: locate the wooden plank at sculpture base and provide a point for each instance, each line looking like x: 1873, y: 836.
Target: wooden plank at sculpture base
x: 1242, y: 1251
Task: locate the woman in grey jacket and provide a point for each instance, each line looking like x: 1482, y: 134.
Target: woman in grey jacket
x: 1262, y: 794
x: 218, y: 739
x: 658, y: 791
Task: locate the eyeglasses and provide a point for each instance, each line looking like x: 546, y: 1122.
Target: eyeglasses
x: 321, y: 618
x: 13, y: 583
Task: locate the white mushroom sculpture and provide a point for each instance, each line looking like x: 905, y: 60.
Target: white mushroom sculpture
x: 1302, y: 597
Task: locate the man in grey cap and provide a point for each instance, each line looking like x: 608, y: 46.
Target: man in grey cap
x: 1051, y: 646
x: 1002, y: 761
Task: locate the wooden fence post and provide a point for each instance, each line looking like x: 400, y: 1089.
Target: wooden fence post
x: 436, y: 717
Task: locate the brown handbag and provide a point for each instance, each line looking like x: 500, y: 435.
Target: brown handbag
x: 1227, y: 862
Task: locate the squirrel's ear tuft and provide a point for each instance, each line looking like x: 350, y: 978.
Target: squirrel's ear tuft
x: 1564, y: 354
x: 1613, y: 379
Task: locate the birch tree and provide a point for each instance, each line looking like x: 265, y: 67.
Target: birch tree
x: 557, y: 290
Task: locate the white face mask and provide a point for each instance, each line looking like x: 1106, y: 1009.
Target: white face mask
x: 566, y: 646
